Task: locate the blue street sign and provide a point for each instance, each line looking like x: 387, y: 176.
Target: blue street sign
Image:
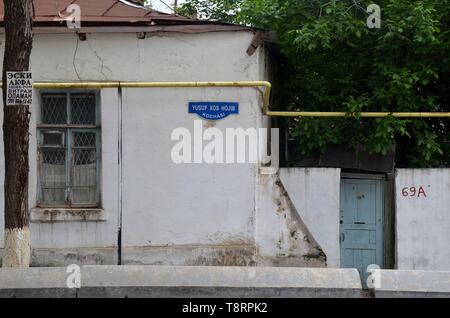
x: 213, y: 110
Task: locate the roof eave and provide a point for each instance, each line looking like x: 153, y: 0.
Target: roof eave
x: 59, y: 27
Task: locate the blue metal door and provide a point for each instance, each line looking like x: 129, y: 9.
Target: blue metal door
x: 361, y: 224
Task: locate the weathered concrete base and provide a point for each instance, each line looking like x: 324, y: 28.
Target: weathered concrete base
x: 404, y: 294
x: 181, y: 292
x: 289, y: 261
x: 82, y: 256
x: 217, y: 281
x: 217, y: 292
x: 38, y: 293
x: 212, y: 255
x: 50, y: 257
x: 35, y: 282
x: 190, y: 255
x: 178, y: 255
x: 412, y: 284
x: 182, y: 281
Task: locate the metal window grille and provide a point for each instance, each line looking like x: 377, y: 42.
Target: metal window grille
x: 69, y: 150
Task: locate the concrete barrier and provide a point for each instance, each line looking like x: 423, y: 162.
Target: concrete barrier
x: 412, y: 283
x: 183, y: 281
x: 35, y: 282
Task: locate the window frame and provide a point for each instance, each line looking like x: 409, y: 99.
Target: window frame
x: 67, y: 131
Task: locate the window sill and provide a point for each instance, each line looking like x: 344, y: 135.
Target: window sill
x: 51, y: 215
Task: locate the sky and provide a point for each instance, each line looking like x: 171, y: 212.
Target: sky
x: 160, y: 6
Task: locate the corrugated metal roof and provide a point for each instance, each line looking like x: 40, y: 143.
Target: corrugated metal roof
x: 104, y: 13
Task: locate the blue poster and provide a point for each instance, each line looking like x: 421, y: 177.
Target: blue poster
x: 213, y: 110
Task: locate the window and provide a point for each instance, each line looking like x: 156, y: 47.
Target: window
x: 69, y: 150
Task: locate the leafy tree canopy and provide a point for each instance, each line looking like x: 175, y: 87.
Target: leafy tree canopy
x: 337, y: 63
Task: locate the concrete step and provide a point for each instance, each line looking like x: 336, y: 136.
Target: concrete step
x: 411, y: 283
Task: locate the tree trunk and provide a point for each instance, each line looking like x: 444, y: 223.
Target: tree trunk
x: 19, y: 38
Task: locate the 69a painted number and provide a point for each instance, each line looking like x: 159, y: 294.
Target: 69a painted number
x: 414, y: 192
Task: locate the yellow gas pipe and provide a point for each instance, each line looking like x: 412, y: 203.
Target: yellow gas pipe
x: 117, y: 84
x: 362, y: 114
x: 266, y: 98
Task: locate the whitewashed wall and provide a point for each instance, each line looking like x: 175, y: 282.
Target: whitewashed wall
x: 195, y: 214
x: 163, y: 204
x: 282, y: 236
x: 166, y: 57
x: 423, y: 221
x: 315, y: 193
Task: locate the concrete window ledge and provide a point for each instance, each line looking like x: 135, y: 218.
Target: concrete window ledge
x: 51, y: 215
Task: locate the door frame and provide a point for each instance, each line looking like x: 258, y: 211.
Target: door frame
x: 388, y: 192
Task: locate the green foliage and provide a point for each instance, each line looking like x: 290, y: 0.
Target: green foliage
x: 338, y: 64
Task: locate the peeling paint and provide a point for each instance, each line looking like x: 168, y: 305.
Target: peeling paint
x: 315, y: 194
x: 192, y: 255
x: 296, y: 228
x: 295, y: 245
x: 227, y: 257
x: 50, y: 215
x: 49, y: 257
